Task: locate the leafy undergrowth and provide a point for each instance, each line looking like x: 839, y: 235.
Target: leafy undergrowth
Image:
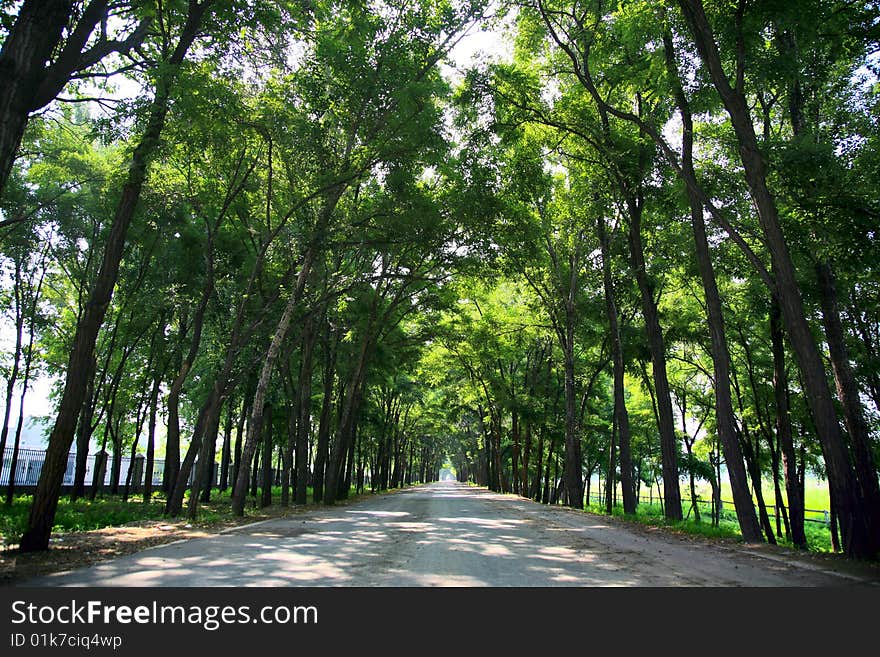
x: 818, y: 535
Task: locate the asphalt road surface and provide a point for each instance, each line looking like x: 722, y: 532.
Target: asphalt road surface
x: 449, y: 534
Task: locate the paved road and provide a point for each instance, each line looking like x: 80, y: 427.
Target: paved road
x: 445, y: 534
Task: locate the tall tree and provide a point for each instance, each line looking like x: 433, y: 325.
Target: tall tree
x: 45, y: 503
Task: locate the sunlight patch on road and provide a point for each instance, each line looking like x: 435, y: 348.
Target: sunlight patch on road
x: 413, y: 526
x: 381, y: 514
x: 486, y: 523
x: 436, y: 579
x: 495, y: 551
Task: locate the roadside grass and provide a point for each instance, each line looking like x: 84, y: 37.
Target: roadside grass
x: 816, y: 496
x: 111, y: 511
x: 818, y: 534
x: 82, y: 515
x: 816, y: 500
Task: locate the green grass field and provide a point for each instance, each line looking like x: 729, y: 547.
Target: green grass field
x: 816, y: 496
x: 816, y: 501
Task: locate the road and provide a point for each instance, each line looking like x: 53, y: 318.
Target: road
x: 448, y: 534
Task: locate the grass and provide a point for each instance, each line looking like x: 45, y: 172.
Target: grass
x: 818, y: 534
x: 82, y: 515
x: 111, y: 511
x: 816, y: 498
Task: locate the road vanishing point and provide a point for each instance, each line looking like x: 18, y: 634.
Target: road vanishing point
x: 451, y: 534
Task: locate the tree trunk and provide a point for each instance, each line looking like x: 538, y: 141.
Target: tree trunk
x: 255, y: 425
x: 323, y: 442
x: 200, y: 451
x: 347, y: 420
x: 266, y: 488
x: 151, y: 437
x: 754, y: 467
x: 83, y: 438
x: 210, y: 409
x: 172, y: 407
x: 12, y: 379
x: 239, y: 432
x: 207, y: 466
x: 517, y: 448
x: 226, y: 454
x: 305, y: 408
x: 289, y: 445
x: 527, y: 448
x: 172, y: 452
x: 255, y: 473
x: 574, y: 488
x: 621, y: 415
x: 611, y: 472
x: 539, y: 467
x: 13, y: 462
x: 783, y: 430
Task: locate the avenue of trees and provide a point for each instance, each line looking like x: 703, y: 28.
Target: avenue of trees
x: 642, y: 248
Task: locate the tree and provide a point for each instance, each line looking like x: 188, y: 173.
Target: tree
x: 42, y: 513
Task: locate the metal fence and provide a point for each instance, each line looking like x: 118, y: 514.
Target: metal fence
x: 30, y: 463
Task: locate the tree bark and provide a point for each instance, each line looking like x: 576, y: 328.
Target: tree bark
x: 42, y: 513
x: 207, y: 465
x: 83, y: 438
x: 267, y: 479
x: 323, y: 442
x: 574, y: 485
x: 204, y: 432
x: 333, y: 194
x: 255, y: 425
x: 305, y: 409
x: 783, y: 430
x: 620, y: 412
x: 151, y: 437
x: 611, y: 469
x: 239, y: 433
x: 12, y: 379
x: 226, y: 454
x: 335, y: 473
